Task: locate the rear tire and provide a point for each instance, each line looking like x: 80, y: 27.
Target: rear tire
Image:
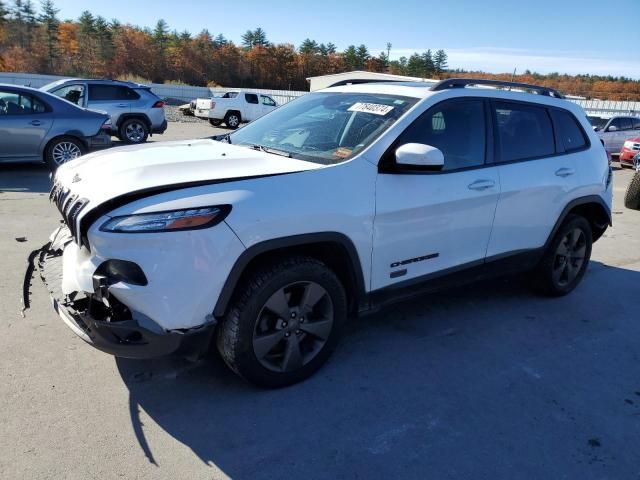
x: 283, y: 323
x: 566, y: 258
x: 632, y: 196
x: 61, y: 150
x: 232, y: 120
x: 214, y: 122
x: 133, y: 131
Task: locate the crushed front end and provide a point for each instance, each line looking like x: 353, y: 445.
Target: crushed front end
x: 102, y: 320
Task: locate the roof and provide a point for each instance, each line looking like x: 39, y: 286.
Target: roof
x: 97, y: 80
x: 423, y: 90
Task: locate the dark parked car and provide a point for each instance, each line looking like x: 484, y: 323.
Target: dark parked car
x: 37, y: 126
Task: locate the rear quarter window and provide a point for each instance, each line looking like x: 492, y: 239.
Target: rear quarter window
x: 570, y: 134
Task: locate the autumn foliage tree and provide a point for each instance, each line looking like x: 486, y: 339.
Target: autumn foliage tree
x: 34, y: 39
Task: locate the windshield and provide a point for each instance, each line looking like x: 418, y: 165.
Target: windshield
x: 325, y: 128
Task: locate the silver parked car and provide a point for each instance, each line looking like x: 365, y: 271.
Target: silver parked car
x: 136, y: 112
x: 37, y: 126
x: 616, y: 130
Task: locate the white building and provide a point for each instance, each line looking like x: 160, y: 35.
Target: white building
x: 325, y: 81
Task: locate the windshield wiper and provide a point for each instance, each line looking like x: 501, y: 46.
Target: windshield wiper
x: 274, y: 151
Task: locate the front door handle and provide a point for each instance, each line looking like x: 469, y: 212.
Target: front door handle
x: 121, y: 105
x: 35, y: 123
x: 565, y: 172
x: 482, y: 185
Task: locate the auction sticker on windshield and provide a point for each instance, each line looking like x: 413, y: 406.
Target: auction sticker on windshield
x: 375, y: 108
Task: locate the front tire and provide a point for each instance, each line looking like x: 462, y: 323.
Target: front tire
x: 133, y: 131
x: 62, y: 150
x: 284, y: 322
x: 632, y: 195
x: 566, y: 258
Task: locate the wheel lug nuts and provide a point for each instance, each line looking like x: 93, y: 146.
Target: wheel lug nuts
x: 284, y: 324
x: 298, y: 332
x: 293, y: 314
x: 287, y: 334
x: 301, y: 319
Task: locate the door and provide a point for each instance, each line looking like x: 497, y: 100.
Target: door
x: 252, y: 107
x: 112, y: 99
x: 266, y: 104
x: 428, y: 222
x: 24, y: 124
x: 537, y: 177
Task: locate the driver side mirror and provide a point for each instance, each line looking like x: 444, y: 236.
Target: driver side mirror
x: 612, y: 128
x: 420, y: 155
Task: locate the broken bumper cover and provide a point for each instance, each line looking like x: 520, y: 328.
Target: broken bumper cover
x: 110, y: 326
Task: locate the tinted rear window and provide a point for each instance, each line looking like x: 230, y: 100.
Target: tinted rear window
x: 251, y: 97
x: 524, y: 131
x: 570, y: 134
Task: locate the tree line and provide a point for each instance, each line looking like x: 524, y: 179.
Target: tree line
x: 35, y: 39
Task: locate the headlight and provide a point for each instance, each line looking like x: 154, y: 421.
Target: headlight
x: 171, y: 221
x: 628, y: 145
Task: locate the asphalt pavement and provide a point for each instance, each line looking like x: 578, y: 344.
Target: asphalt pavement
x: 482, y: 382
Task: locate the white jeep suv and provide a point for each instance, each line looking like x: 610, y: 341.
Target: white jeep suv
x: 265, y: 240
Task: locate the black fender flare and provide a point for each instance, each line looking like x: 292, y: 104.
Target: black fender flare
x: 128, y: 116
x: 254, y: 251
x: 589, y: 199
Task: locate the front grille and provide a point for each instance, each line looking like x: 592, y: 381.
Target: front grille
x: 69, y: 205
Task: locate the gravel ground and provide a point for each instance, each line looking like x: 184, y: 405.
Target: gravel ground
x: 172, y: 114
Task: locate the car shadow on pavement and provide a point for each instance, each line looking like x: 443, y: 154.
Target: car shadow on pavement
x: 487, y: 377
x: 31, y: 177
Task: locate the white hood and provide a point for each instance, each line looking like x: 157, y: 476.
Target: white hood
x: 107, y: 174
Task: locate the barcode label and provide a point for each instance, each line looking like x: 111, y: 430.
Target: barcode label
x: 374, y: 108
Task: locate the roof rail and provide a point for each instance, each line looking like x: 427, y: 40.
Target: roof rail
x: 358, y: 81
x: 463, y: 82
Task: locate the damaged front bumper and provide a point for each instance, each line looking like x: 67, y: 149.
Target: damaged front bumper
x: 106, y: 323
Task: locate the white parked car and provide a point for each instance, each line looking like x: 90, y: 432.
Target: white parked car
x: 336, y: 204
x: 233, y: 108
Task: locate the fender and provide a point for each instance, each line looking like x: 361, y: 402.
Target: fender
x: 128, y: 116
x: 288, y: 242
x: 573, y: 204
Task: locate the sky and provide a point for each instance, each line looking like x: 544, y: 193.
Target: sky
x: 566, y: 36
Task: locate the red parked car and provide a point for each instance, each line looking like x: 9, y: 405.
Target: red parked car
x: 629, y: 150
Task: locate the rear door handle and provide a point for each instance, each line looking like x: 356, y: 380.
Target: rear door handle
x: 565, y: 172
x: 35, y: 123
x: 481, y: 185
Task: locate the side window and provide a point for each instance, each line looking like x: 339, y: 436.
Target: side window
x: 524, y: 131
x: 31, y: 105
x: 569, y: 133
x: 71, y: 93
x: 251, y: 98
x: 457, y: 128
x: 267, y: 101
x: 621, y: 123
x: 101, y: 93
x: 636, y: 123
x: 16, y: 103
x: 9, y: 103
